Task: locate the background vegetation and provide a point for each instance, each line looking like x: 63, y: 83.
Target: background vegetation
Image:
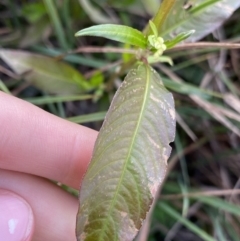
x: 199, y: 199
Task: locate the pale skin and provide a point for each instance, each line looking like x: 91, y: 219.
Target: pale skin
x: 36, y: 146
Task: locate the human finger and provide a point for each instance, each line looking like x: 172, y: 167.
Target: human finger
x: 36, y: 142
x: 16, y: 217
x: 54, y: 209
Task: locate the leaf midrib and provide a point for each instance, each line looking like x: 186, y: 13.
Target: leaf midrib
x: 132, y: 143
x: 129, y: 36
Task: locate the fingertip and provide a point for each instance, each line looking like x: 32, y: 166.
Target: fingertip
x: 16, y: 217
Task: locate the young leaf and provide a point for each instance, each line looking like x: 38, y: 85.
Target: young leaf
x: 162, y: 59
x: 45, y: 73
x: 179, y: 38
x: 153, y: 28
x: 129, y: 160
x: 116, y: 32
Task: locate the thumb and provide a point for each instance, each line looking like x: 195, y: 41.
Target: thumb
x: 16, y: 217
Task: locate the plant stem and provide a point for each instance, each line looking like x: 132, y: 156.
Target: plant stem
x: 161, y: 15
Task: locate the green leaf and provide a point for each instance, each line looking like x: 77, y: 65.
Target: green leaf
x: 45, y: 73
x: 179, y: 38
x: 116, y: 32
x: 153, y: 28
x: 97, y: 79
x: 129, y: 161
x: 162, y: 59
x: 204, y: 16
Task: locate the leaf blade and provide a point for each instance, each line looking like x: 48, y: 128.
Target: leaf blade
x: 129, y: 160
x: 204, y: 16
x: 44, y: 72
x: 179, y: 38
x: 116, y: 32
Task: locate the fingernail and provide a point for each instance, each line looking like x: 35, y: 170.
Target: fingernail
x: 16, y: 218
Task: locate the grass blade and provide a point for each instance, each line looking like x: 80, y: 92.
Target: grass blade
x: 51, y: 8
x: 99, y: 116
x: 171, y: 212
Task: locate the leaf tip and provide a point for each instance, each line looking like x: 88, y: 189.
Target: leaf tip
x: 77, y: 34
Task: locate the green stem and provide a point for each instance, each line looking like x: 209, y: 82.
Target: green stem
x: 158, y: 20
x: 161, y: 15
